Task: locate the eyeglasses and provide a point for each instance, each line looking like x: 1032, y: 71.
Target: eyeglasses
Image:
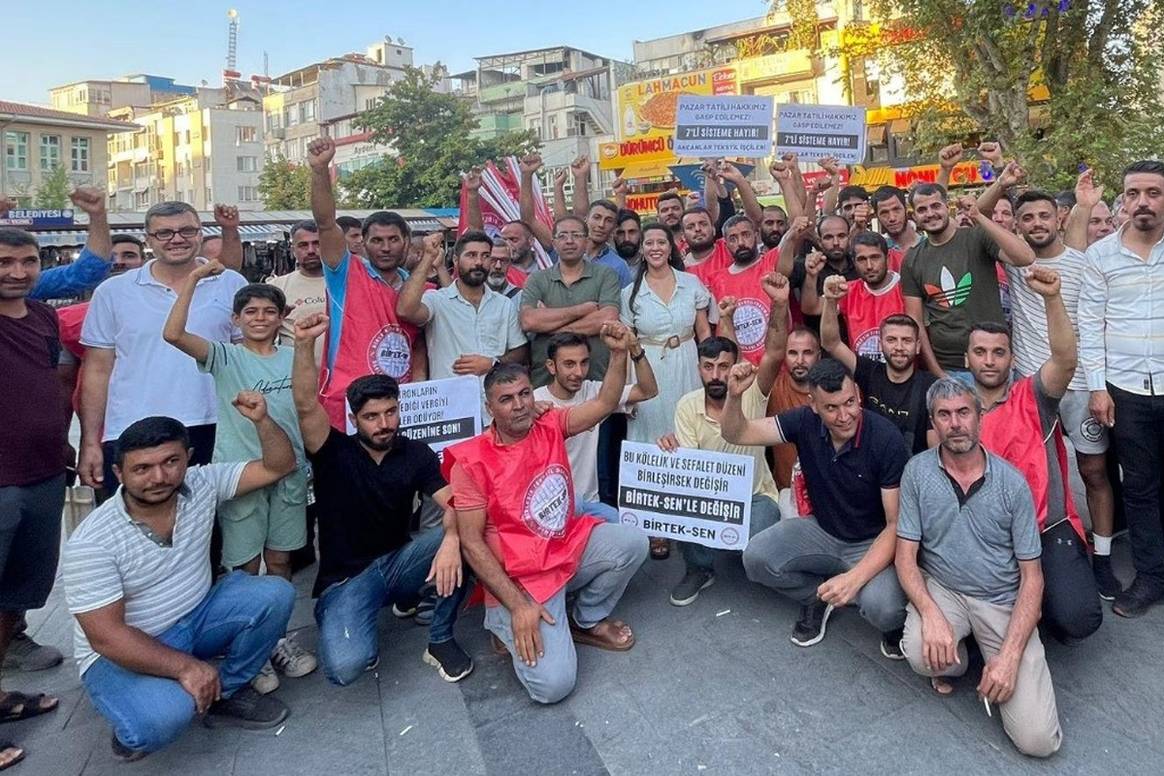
x: 570, y: 236
x: 165, y: 235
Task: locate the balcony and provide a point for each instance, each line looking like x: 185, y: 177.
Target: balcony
x: 553, y: 102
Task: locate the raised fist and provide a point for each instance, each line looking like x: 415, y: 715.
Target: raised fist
x: 320, y: 152
x: 89, y: 199
x: 949, y: 156
x: 530, y: 163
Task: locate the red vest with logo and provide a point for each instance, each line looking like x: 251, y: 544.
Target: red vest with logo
x: 531, y: 525
x: 752, y: 304
x: 865, y: 309
x: 373, y: 341
x: 1013, y: 431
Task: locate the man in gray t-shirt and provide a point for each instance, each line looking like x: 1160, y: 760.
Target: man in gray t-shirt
x: 968, y: 558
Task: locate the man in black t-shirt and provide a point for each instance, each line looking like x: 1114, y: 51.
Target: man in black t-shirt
x: 893, y: 388
x: 843, y: 552
x: 364, y: 490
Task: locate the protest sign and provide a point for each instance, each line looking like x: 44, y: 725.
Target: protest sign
x: 441, y: 412
x: 815, y: 131
x: 723, y: 126
x: 690, y: 495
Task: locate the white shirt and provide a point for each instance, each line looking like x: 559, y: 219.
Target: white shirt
x: 150, y: 376
x: 1028, y: 313
x: 1121, y: 317
x: 457, y: 327
x: 583, y: 448
x: 110, y: 558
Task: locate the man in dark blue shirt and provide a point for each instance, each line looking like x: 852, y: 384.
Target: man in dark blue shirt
x: 852, y: 460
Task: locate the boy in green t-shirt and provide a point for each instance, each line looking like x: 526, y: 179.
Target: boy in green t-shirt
x: 268, y: 524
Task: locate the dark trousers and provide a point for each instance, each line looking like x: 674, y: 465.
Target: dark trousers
x: 1139, y: 437
x: 1071, y: 605
x: 611, y: 435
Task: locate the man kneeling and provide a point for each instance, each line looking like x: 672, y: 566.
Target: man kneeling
x: 514, y: 496
x: 973, y: 515
x: 137, y: 578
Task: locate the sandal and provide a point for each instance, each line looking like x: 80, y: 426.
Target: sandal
x: 660, y: 548
x: 604, y: 635
x: 8, y: 746
x: 17, y: 706
x: 941, y: 685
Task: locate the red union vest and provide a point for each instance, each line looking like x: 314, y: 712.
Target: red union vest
x: 1012, y: 430
x: 865, y: 309
x: 530, y: 525
x: 752, y: 304
x: 372, y: 341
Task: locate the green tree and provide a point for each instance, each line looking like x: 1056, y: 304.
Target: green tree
x: 284, y: 186
x: 1060, y: 82
x: 428, y: 134
x: 53, y: 192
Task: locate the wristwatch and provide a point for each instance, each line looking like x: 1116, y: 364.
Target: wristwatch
x: 642, y: 354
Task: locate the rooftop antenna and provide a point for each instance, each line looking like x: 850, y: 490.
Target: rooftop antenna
x: 230, y: 72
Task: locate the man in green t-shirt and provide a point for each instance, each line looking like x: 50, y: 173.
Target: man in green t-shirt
x: 950, y: 279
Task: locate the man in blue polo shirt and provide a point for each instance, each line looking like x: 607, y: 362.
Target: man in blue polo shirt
x: 852, y: 461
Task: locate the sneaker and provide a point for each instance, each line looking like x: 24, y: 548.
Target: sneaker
x: 246, y: 709
x: 426, y: 609
x: 291, y: 659
x: 810, y: 628
x: 1138, y: 599
x: 690, y: 586
x: 26, y: 655
x: 1105, y: 579
x: 266, y: 681
x: 403, y: 611
x: 450, y: 661
x: 891, y: 644
x: 123, y: 753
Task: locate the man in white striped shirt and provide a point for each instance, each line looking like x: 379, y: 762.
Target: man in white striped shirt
x: 137, y: 579
x: 1121, y: 352
x: 1035, y: 215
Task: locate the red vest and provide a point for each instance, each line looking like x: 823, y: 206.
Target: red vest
x: 372, y: 341
x: 752, y: 304
x: 1012, y: 430
x: 530, y: 521
x: 864, y: 310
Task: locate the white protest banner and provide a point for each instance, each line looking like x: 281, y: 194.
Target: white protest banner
x: 690, y: 495
x: 441, y: 412
x: 723, y: 126
x: 815, y: 131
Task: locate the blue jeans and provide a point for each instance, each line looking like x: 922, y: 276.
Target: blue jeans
x: 598, y: 509
x: 347, y: 612
x: 242, y: 616
x: 765, y: 513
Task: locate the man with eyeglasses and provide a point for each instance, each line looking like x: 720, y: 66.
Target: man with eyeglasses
x: 573, y: 295
x: 129, y: 372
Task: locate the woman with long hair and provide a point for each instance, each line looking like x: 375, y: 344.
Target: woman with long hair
x: 667, y: 309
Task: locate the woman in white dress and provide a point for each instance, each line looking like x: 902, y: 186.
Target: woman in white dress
x: 667, y: 309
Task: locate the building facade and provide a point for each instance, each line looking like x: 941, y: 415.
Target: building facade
x: 38, y: 140
x: 98, y: 98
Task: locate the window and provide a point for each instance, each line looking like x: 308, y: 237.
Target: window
x: 246, y: 134
x: 179, y: 169
x: 16, y: 150
x: 247, y: 163
x: 50, y: 152
x: 307, y: 111
x: 141, y: 200
x: 290, y: 116
x: 187, y: 137
x: 79, y: 154
x: 248, y: 194
x: 274, y: 120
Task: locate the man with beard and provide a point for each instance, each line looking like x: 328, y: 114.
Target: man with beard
x: 1121, y: 307
x: 707, y: 256
x: 889, y: 205
x: 366, y: 335
x: 833, y: 240
x: 742, y: 281
x: 1037, y: 218
x: 499, y: 268
x: 365, y: 487
x: 304, y: 287
x: 773, y: 225
x: 978, y: 574
x: 853, y: 206
x: 950, y: 280
x: 870, y: 299
x: 468, y: 326
x: 669, y: 213
x: 697, y: 426
x: 526, y: 542
x: 628, y: 238
x: 842, y: 553
x: 149, y: 618
x: 1021, y: 424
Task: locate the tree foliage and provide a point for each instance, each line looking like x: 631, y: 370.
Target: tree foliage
x: 1061, y: 83
x: 429, y: 137
x: 285, y: 186
x: 53, y: 192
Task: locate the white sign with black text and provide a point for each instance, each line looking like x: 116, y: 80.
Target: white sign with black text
x: 439, y: 412
x: 725, y: 125
x: 815, y: 131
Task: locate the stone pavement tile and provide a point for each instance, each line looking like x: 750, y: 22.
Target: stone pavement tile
x: 199, y: 752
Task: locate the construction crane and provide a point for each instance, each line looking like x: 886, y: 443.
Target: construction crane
x: 230, y: 72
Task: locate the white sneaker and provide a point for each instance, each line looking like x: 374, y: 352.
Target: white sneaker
x: 267, y: 680
x: 291, y: 659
